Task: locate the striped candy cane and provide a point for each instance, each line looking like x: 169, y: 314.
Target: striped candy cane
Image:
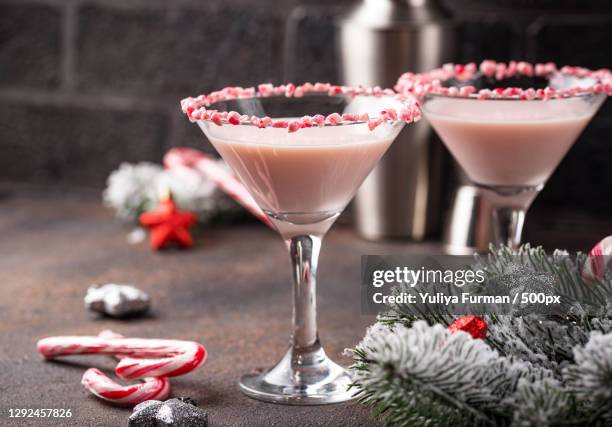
x: 144, y: 357
x: 191, y: 159
x: 105, y: 388
x: 597, y: 261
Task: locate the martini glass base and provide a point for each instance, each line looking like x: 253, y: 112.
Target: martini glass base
x: 302, y: 377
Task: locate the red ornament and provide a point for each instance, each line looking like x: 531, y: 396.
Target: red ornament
x: 473, y: 325
x: 168, y: 224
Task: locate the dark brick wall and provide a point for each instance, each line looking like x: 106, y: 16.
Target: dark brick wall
x: 29, y: 56
x: 75, y: 144
x: 153, y: 51
x: 86, y: 84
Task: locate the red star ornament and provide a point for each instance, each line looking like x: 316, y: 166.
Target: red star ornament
x: 168, y: 224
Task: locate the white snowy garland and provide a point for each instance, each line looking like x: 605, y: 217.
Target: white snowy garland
x: 135, y: 188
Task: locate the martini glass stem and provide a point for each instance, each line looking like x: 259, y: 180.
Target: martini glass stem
x: 305, y: 375
x: 509, y: 225
x: 304, y: 252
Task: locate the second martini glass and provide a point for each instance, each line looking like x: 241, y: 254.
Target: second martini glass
x: 302, y: 152
x: 509, y: 138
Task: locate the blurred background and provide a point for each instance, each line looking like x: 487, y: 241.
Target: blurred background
x: 88, y: 84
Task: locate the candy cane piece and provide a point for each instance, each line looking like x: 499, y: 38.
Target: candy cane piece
x: 599, y: 257
x: 145, y: 357
x: 189, y: 158
x: 105, y: 388
x: 107, y: 333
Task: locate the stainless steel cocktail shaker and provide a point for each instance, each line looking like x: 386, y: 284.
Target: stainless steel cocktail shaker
x: 378, y: 41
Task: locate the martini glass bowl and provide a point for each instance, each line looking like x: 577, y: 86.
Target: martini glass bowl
x: 509, y: 147
x: 302, y: 181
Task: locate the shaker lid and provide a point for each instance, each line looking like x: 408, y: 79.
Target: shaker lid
x: 392, y: 14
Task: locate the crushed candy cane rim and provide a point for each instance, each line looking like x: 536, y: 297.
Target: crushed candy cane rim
x: 197, y: 108
x: 431, y: 82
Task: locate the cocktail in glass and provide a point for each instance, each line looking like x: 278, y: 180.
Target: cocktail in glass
x: 507, y: 139
x: 302, y: 158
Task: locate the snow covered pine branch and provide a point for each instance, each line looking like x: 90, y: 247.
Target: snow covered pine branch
x: 532, y: 369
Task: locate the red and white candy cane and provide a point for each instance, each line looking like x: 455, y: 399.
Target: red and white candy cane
x: 597, y: 261
x: 105, y: 388
x: 144, y: 357
x: 189, y: 158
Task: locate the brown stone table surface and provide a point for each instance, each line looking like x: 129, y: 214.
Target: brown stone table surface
x: 231, y: 292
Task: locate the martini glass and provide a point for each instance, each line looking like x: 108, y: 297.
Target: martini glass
x: 302, y: 181
x: 509, y: 147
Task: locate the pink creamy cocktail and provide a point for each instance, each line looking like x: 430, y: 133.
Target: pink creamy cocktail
x: 501, y: 143
x: 307, y: 177
x: 302, y: 152
x: 509, y: 139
